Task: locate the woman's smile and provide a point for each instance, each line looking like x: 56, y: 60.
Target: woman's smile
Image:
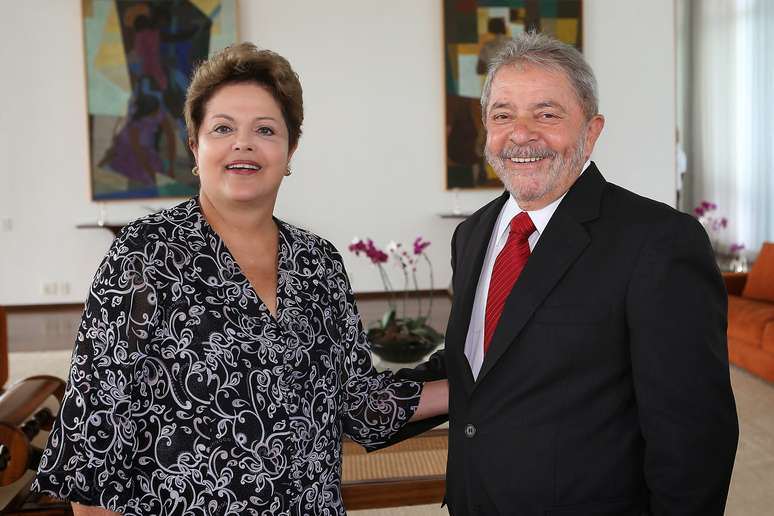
x: 243, y: 168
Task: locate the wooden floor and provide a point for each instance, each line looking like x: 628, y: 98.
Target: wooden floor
x: 35, y: 337
x: 408, y: 474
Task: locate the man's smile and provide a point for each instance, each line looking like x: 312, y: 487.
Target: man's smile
x: 526, y: 160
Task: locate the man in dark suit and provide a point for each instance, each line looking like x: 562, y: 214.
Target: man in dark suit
x: 586, y: 348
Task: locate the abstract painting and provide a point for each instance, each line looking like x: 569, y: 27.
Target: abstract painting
x: 139, y: 59
x: 473, y: 32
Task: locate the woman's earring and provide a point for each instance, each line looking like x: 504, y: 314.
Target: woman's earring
x: 288, y: 171
x: 195, y: 170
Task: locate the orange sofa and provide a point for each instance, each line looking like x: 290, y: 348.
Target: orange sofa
x: 751, y: 315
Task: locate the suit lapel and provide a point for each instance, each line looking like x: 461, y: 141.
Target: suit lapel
x: 560, y: 245
x: 470, y: 261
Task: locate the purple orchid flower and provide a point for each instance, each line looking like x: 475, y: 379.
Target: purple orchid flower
x: 420, y: 245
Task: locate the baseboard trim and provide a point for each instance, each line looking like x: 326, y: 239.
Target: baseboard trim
x: 16, y: 309
x: 412, y: 294
x: 360, y: 296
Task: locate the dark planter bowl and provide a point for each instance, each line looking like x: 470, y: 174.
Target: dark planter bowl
x: 402, y: 352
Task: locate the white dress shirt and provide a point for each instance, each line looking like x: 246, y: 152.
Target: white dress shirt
x: 474, y: 342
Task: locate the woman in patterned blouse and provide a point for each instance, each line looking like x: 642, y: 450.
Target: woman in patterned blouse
x: 220, y: 357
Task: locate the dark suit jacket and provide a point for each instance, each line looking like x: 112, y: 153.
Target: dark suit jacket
x: 606, y: 387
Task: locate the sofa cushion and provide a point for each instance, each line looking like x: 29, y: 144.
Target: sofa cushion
x: 747, y: 319
x: 767, y: 341
x: 753, y: 359
x: 760, y: 281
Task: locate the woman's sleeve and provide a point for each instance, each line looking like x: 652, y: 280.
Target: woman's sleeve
x: 89, y: 454
x: 376, y: 405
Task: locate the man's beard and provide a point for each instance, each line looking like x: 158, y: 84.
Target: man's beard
x: 560, y: 164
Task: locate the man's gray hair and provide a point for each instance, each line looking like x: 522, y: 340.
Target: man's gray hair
x: 545, y: 51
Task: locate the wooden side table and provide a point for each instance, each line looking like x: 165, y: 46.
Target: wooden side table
x: 412, y: 472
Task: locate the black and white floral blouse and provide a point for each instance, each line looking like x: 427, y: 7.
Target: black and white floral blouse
x: 186, y: 396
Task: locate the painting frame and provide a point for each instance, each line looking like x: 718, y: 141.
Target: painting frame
x: 472, y: 30
x: 139, y: 56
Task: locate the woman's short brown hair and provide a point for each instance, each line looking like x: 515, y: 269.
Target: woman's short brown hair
x: 245, y: 63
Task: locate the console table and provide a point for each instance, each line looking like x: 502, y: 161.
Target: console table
x: 113, y: 228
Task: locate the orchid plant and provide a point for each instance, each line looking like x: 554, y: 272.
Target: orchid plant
x: 714, y: 225
x: 711, y: 222
x: 731, y: 260
x: 406, y: 330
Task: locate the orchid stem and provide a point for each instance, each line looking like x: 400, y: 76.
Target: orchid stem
x: 432, y: 284
x: 416, y: 289
x: 405, y: 293
x: 387, y: 285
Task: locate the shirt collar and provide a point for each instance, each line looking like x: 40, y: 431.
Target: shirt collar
x: 540, y: 218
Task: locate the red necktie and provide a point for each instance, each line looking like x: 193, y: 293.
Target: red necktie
x: 506, y: 271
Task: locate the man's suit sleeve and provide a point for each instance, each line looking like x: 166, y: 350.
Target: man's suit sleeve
x: 676, y: 308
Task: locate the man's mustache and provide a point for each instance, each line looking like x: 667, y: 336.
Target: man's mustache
x: 526, y: 152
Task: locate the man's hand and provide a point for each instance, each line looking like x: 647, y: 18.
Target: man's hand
x: 434, y: 400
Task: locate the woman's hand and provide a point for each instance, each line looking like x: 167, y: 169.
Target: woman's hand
x: 434, y: 400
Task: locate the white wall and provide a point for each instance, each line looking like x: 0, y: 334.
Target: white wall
x: 371, y: 161
x: 631, y: 46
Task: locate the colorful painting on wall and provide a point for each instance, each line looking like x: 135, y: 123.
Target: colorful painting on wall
x: 139, y: 59
x: 474, y: 29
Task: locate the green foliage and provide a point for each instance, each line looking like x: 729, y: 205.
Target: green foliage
x: 395, y: 331
x: 388, y: 319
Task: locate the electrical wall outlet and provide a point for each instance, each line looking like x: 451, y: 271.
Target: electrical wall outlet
x: 49, y: 288
x: 55, y: 288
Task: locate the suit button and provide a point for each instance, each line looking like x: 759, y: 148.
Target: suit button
x: 470, y: 431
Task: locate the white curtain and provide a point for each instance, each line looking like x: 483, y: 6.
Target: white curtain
x: 731, y: 106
